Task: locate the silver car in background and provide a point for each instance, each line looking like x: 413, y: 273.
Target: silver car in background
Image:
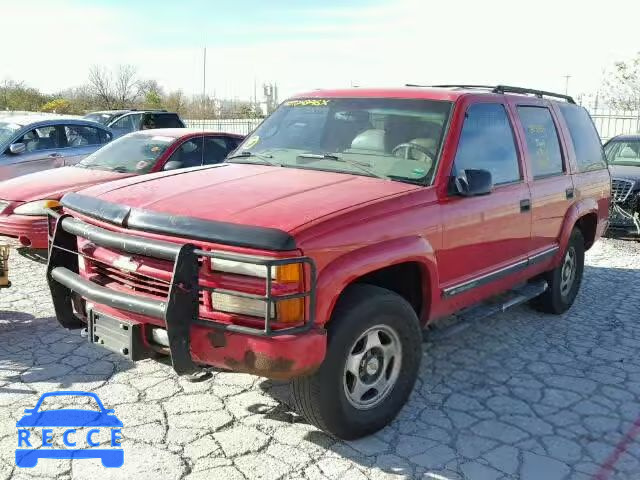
x: 39, y: 142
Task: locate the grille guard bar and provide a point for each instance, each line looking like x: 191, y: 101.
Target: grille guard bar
x: 181, y: 307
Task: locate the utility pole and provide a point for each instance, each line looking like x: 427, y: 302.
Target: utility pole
x: 204, y: 83
x: 566, y: 84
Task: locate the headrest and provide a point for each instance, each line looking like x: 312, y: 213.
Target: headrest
x: 369, y: 140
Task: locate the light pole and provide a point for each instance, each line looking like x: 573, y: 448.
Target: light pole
x: 566, y: 84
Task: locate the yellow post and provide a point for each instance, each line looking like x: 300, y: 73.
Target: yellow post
x: 4, y: 266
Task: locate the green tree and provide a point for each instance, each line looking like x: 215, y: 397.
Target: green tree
x: 59, y: 105
x: 622, y: 84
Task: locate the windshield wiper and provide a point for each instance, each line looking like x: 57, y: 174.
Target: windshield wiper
x: 260, y: 156
x: 354, y: 163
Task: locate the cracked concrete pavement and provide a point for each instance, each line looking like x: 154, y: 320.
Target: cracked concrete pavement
x: 519, y: 395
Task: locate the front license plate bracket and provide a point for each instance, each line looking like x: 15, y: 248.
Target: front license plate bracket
x: 116, y: 335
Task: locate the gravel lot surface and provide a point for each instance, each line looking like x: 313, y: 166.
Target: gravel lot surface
x: 519, y: 395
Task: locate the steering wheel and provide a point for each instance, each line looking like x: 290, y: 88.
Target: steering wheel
x: 413, y: 146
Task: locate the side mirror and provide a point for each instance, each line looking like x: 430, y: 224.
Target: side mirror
x: 472, y: 182
x: 17, y: 148
x: 173, y: 165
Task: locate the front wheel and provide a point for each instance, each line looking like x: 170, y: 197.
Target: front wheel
x: 373, y: 355
x: 564, y: 280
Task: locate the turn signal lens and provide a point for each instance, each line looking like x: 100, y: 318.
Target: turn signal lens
x: 290, y: 311
x: 289, y: 273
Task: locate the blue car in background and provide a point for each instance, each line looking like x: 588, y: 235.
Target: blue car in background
x: 30, y: 143
x: 71, y: 419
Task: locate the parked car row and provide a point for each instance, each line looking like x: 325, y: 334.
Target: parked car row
x: 23, y: 199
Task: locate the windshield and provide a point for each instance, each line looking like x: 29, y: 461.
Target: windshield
x: 7, y: 131
x: 623, y: 152
x: 390, y: 138
x: 133, y: 153
x: 103, y: 118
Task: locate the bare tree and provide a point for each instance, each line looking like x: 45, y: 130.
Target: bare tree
x: 119, y: 90
x: 176, y: 102
x: 127, y: 89
x: 622, y: 84
x: 100, y: 86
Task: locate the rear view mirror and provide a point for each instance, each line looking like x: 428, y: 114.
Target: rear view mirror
x: 472, y: 182
x: 172, y: 165
x: 17, y: 148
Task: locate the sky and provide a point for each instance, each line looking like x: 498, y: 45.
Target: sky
x: 303, y: 45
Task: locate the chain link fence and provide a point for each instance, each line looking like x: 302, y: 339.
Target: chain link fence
x: 610, y: 123
x: 242, y: 126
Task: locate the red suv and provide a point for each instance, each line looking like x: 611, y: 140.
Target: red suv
x: 347, y: 222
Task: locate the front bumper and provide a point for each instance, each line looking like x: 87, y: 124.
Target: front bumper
x: 32, y: 231
x: 270, y: 351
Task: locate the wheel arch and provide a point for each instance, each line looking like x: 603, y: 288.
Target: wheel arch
x: 583, y: 215
x: 405, y: 266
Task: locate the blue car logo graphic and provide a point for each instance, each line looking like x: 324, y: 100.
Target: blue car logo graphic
x: 70, y: 419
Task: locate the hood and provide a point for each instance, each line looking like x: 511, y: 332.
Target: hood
x: 625, y: 171
x: 52, y: 184
x: 257, y: 195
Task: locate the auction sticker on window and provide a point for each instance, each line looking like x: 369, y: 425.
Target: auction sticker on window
x: 307, y: 102
x: 251, y: 142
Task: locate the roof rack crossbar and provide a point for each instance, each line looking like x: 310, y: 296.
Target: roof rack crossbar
x: 489, y: 87
x: 531, y: 91
x: 504, y: 89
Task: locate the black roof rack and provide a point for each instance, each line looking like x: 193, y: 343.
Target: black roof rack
x: 505, y: 89
x: 531, y: 91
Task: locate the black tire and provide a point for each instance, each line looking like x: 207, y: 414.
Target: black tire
x: 322, y: 397
x: 555, y: 299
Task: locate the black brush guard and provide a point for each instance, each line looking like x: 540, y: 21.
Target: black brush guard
x: 180, y: 309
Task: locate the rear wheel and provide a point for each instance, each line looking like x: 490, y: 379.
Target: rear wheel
x: 564, y: 280
x: 373, y: 355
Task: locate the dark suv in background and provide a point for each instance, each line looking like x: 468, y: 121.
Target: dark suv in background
x: 623, y: 157
x: 127, y: 121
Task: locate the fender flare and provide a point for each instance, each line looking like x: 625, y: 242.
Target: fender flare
x: 344, y: 270
x: 578, y: 210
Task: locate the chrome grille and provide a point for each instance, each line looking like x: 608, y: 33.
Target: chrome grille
x: 106, y: 274
x: 620, y: 189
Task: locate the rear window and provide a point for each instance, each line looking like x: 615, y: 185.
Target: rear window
x: 584, y: 137
x: 166, y: 120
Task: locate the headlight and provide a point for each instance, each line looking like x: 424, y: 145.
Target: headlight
x: 36, y: 208
x: 3, y: 205
x: 289, y: 273
x: 286, y: 311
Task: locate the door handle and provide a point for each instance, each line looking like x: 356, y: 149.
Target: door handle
x: 525, y: 205
x: 570, y: 192
x: 55, y: 155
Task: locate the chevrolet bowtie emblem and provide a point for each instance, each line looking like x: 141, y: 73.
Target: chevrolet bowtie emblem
x: 126, y: 263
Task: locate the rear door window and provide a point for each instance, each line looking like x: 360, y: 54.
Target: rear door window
x: 584, y: 137
x: 487, y: 142
x: 126, y: 124
x: 543, y: 146
x: 80, y: 136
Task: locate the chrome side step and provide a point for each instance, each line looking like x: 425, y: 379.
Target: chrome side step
x: 467, y: 317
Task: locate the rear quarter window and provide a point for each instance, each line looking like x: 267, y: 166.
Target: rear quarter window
x: 584, y: 137
x: 167, y: 120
